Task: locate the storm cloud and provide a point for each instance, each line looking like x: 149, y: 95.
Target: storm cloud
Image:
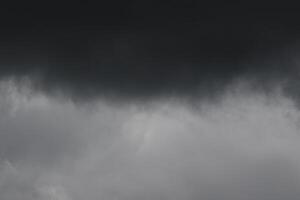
x: 150, y: 49
x: 150, y: 100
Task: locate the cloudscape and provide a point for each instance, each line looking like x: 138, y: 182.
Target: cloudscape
x: 146, y: 100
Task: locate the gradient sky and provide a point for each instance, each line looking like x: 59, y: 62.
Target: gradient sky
x: 149, y: 100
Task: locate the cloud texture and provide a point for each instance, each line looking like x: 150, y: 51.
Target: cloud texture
x: 146, y: 100
x: 243, y: 147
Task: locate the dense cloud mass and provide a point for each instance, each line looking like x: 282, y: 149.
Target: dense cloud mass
x: 149, y: 100
x: 244, y: 146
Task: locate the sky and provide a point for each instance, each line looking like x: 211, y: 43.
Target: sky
x: 146, y: 100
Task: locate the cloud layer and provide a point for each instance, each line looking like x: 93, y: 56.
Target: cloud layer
x: 145, y: 100
x: 244, y: 146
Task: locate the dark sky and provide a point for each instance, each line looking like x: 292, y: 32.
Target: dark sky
x: 148, y: 48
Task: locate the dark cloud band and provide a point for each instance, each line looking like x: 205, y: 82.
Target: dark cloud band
x: 148, y: 49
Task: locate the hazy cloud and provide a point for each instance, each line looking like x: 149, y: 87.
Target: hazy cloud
x: 243, y: 147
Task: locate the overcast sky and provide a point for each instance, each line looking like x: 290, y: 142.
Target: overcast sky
x: 150, y: 100
x: 243, y: 146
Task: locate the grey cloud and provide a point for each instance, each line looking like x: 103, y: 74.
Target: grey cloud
x: 243, y: 147
x: 150, y: 100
